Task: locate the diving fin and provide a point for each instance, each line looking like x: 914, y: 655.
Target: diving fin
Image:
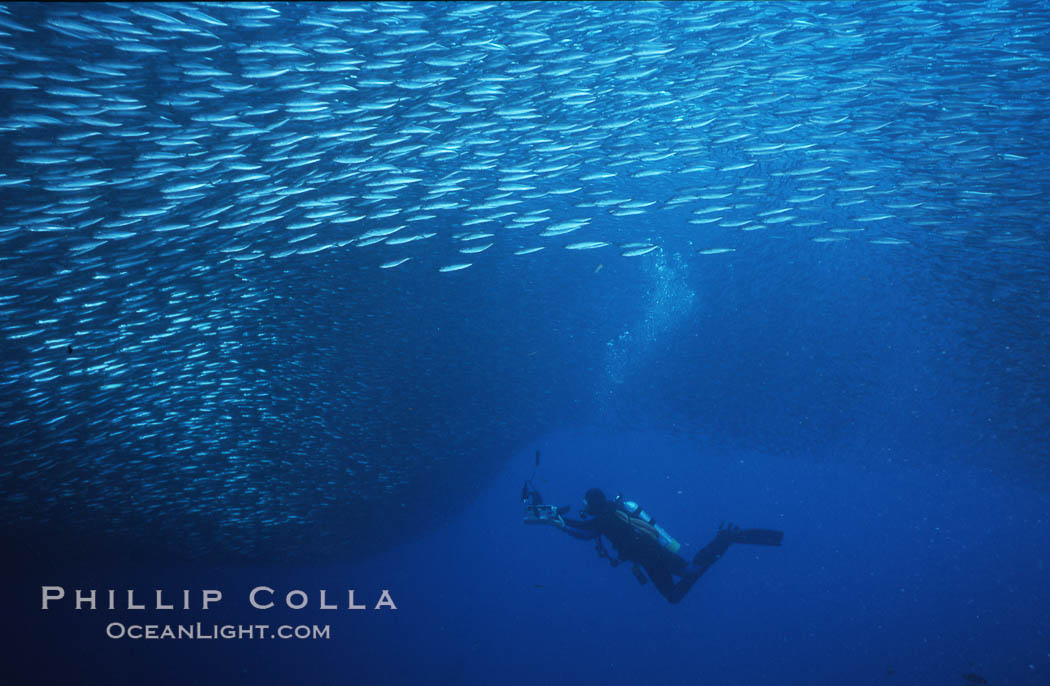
x: 759, y: 536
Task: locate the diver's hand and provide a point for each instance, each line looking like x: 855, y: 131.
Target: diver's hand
x: 554, y: 520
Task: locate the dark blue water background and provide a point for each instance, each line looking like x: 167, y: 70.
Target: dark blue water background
x: 885, y: 405
x: 915, y: 574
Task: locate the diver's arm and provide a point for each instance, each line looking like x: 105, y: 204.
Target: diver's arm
x: 577, y: 528
x: 538, y: 513
x: 584, y: 529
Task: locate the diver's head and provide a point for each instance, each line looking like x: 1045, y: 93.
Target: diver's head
x: 595, y: 500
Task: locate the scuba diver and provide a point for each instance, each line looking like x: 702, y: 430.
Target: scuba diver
x: 640, y: 540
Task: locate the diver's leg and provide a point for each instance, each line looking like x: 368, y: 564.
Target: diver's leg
x: 710, y: 553
x: 661, y: 578
x: 703, y: 559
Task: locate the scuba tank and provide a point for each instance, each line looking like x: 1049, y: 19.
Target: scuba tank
x: 641, y: 522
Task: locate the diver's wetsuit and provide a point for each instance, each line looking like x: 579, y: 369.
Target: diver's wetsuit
x: 658, y: 562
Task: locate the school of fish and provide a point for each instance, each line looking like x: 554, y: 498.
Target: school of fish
x: 159, y: 157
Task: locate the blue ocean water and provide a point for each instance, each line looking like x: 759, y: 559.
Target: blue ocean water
x: 911, y: 573
x: 293, y: 295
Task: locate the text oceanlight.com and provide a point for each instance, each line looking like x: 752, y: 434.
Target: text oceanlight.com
x: 200, y: 631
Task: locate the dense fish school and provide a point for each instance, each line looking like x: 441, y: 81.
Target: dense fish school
x: 161, y: 159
